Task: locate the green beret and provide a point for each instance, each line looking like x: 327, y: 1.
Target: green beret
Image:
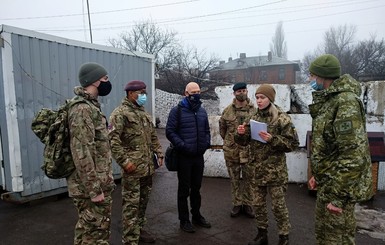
x: 239, y: 86
x: 90, y: 73
x: 326, y: 66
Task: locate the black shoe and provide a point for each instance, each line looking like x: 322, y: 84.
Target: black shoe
x: 261, y: 238
x: 249, y: 211
x: 146, y: 237
x: 283, y: 240
x: 236, y: 211
x: 187, y: 227
x: 201, y: 222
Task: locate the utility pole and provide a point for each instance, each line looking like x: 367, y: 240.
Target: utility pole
x: 89, y: 20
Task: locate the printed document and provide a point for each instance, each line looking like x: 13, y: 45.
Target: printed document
x: 255, y: 128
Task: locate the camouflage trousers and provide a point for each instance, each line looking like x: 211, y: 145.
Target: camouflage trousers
x: 135, y: 195
x: 278, y: 206
x: 241, y: 177
x: 333, y: 229
x: 93, y: 226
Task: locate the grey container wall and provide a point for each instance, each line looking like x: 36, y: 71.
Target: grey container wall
x: 39, y: 70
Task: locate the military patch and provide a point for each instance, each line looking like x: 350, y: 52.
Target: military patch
x: 345, y: 127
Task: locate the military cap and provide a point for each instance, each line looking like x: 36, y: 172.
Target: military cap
x: 239, y: 86
x: 326, y: 66
x: 90, y: 73
x: 135, y: 85
x: 267, y: 90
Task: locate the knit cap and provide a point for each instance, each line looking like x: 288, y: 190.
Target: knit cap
x: 90, y: 73
x: 135, y: 85
x: 326, y: 66
x: 267, y: 90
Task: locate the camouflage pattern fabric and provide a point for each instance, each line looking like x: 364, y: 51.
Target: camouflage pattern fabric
x: 332, y: 229
x: 340, y: 157
x: 134, y: 140
x: 269, y: 161
x: 90, y: 149
x: 135, y: 195
x: 278, y: 206
x: 52, y: 129
x: 269, y: 158
x: 237, y: 156
x: 91, y: 153
x: 93, y: 226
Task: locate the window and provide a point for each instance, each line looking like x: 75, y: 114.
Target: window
x: 281, y: 74
x: 263, y: 75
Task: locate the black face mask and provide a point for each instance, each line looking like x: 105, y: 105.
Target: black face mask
x: 104, y: 88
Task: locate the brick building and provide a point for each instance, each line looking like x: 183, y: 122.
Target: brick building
x: 256, y: 70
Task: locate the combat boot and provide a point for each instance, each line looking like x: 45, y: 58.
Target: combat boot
x: 261, y: 238
x: 283, y: 240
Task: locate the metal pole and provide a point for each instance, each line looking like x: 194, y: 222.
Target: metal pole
x: 89, y: 20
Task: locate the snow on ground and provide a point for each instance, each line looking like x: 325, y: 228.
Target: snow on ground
x: 370, y: 222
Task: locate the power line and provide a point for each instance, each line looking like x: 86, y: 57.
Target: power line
x: 101, y: 12
x: 109, y: 26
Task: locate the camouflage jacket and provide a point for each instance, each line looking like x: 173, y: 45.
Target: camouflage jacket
x: 232, y: 116
x: 90, y: 149
x: 269, y: 158
x: 133, y: 138
x: 340, y: 156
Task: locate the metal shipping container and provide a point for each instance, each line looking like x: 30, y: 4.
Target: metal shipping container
x: 39, y: 70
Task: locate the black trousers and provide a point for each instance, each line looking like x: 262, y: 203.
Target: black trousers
x: 190, y: 173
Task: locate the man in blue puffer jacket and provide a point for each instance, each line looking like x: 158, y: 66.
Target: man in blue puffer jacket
x: 188, y: 130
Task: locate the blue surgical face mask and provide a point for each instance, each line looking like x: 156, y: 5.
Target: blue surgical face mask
x: 141, y: 100
x: 316, y: 86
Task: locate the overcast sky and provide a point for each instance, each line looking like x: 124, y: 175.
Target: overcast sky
x: 221, y: 27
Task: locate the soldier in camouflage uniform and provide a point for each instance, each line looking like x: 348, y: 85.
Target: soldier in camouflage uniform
x: 340, y: 157
x: 133, y: 143
x: 237, y: 156
x: 269, y: 160
x: 92, y: 183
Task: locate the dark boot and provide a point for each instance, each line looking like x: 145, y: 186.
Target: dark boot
x: 146, y: 237
x: 249, y: 211
x: 236, y: 211
x: 283, y: 240
x: 261, y: 238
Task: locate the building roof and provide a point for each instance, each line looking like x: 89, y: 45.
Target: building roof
x: 256, y: 61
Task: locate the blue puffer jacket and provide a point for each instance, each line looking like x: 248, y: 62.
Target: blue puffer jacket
x: 189, y: 132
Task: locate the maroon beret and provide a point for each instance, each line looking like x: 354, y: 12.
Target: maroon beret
x: 135, y: 85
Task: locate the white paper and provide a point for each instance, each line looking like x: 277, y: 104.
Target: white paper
x: 255, y: 128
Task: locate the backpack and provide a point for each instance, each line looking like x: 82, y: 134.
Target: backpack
x: 51, y: 127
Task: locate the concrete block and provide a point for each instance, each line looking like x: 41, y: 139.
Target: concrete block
x: 302, y: 97
x: 216, y: 138
x: 302, y: 123
x: 215, y: 165
x: 376, y: 99
x: 297, y: 162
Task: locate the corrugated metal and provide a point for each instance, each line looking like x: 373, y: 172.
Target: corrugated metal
x: 40, y: 71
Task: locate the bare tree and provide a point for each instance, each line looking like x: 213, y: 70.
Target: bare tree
x: 339, y: 41
x: 148, y: 38
x: 278, y: 45
x: 175, y: 65
x: 189, y: 65
x: 364, y: 60
x: 369, y: 59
